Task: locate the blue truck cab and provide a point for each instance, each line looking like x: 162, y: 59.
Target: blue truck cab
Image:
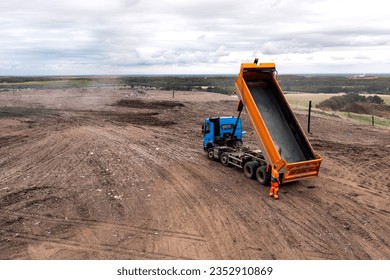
x: 218, y: 131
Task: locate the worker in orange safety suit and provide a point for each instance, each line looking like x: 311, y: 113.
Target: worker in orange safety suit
x: 274, y: 190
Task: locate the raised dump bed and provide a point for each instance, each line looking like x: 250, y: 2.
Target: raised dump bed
x: 280, y: 136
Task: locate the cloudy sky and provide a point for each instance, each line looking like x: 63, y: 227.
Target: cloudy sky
x: 79, y: 37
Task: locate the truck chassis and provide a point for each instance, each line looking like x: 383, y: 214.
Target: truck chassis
x: 252, y: 162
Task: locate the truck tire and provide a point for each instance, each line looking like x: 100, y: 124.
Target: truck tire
x: 250, y: 169
x: 262, y: 176
x: 210, y: 153
x: 225, y: 159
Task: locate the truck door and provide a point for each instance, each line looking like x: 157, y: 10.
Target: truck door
x: 207, y: 136
x: 217, y: 130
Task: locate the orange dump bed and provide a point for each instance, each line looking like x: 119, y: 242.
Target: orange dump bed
x: 279, y: 134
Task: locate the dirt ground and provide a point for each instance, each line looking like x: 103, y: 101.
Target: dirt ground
x: 102, y: 174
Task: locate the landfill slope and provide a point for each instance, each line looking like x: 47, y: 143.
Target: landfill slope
x: 102, y: 173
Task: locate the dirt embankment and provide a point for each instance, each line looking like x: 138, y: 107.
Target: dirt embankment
x: 97, y: 174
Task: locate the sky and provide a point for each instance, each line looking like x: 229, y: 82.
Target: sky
x: 126, y: 37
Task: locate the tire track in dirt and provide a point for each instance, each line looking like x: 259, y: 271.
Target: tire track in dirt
x: 350, y: 221
x: 24, y: 194
x: 290, y: 234
x: 83, y: 246
x: 51, y: 154
x: 202, y: 220
x: 95, y: 230
x: 282, y: 233
x: 14, y: 215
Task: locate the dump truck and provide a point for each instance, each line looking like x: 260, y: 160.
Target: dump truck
x: 283, y: 144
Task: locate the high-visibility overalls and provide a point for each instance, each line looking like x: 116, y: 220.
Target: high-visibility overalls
x: 274, y: 190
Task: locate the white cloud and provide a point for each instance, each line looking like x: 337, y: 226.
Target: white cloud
x: 199, y: 36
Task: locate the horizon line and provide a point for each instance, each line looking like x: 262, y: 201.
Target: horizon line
x: 200, y: 74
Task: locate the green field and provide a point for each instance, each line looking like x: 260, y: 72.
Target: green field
x: 300, y: 102
x: 55, y: 82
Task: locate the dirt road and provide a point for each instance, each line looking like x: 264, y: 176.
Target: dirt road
x: 101, y: 174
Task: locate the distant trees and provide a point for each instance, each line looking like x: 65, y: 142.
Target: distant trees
x: 343, y: 101
x: 212, y: 83
x: 335, y: 84
x: 220, y: 84
x: 375, y: 99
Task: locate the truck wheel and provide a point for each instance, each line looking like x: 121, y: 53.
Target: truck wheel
x: 210, y: 153
x: 225, y: 159
x: 250, y: 169
x: 262, y: 176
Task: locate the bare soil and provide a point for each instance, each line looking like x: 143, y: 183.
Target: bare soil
x: 101, y: 174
